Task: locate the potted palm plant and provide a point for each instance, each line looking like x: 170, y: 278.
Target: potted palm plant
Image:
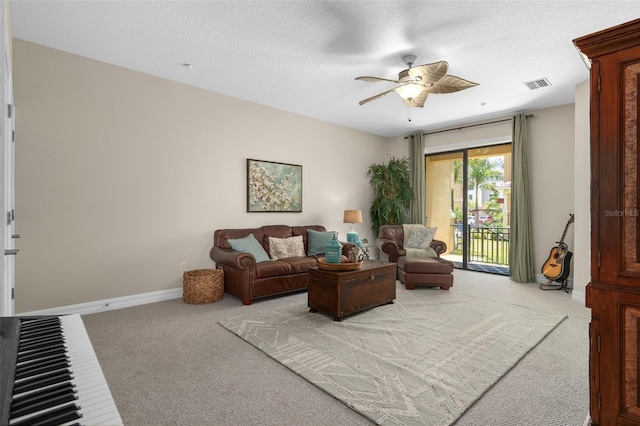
x: 391, y: 183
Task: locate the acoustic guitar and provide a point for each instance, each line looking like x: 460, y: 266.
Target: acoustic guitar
x: 556, y: 268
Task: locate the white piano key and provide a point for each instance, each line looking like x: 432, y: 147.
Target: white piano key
x: 94, y: 397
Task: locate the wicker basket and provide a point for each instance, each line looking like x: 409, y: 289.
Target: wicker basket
x: 338, y: 267
x: 203, y: 286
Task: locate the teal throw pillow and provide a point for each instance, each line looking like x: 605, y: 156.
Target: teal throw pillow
x: 250, y: 245
x: 318, y: 240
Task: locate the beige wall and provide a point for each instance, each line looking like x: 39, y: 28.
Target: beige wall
x: 551, y: 171
x: 122, y: 175
x: 550, y: 163
x: 582, y: 182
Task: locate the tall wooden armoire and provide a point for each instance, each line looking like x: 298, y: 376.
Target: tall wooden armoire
x: 613, y: 293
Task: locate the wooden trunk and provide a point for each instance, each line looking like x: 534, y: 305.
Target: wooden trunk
x: 613, y: 294
x: 343, y: 293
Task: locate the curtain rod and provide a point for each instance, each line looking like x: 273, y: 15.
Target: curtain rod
x: 468, y: 126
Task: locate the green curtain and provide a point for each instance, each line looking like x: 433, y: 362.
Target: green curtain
x: 416, y: 158
x: 521, y: 264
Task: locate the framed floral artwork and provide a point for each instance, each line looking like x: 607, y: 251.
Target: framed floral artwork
x: 273, y: 187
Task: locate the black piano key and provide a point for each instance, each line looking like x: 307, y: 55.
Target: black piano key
x: 26, y: 399
x: 63, y: 414
x: 31, y: 328
x: 31, y: 325
x: 30, y: 321
x: 42, y: 381
x: 23, y: 373
x: 36, y: 363
x: 33, y: 331
x: 39, y: 348
x: 40, y: 333
x: 50, y: 340
x: 45, y: 400
x: 36, y: 324
x: 35, y: 355
x: 49, y: 358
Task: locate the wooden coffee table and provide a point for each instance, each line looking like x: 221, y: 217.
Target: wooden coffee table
x: 342, y: 293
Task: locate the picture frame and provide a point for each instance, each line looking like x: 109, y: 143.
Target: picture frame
x: 273, y: 187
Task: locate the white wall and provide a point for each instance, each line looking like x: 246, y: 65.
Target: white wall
x: 550, y: 164
x: 122, y: 175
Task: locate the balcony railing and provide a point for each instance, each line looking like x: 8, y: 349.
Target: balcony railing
x: 486, y: 244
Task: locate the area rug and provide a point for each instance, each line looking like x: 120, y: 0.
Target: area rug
x: 422, y: 360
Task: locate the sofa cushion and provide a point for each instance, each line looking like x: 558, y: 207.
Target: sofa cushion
x: 318, y: 241
x: 274, y: 268
x: 281, y: 248
x: 277, y: 231
x: 301, y: 264
x: 249, y: 245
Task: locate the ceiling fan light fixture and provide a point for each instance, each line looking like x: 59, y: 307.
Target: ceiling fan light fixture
x: 410, y: 91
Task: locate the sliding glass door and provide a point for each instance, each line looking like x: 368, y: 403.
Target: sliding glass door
x: 468, y: 199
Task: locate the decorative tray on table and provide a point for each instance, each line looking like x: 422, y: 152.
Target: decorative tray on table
x: 344, y: 266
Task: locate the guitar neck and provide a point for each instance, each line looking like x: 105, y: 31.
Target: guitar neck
x: 566, y: 228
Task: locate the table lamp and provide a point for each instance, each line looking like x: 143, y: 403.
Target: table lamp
x: 352, y: 216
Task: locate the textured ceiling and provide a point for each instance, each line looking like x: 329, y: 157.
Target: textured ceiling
x: 303, y: 56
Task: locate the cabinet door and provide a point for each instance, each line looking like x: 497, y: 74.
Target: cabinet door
x: 616, y: 182
x: 614, y: 358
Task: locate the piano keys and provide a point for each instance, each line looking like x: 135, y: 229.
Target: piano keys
x: 50, y: 374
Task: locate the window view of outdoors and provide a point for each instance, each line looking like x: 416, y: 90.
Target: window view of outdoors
x: 472, y: 210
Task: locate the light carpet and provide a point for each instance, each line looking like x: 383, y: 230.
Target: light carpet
x: 421, y: 361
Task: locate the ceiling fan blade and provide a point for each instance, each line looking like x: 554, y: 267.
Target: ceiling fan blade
x: 428, y: 73
x: 418, y: 101
x: 379, y: 95
x: 375, y: 79
x: 450, y: 84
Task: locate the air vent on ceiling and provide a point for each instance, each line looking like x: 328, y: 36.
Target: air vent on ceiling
x: 537, y: 84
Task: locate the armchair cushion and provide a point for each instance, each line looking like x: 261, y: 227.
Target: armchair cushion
x: 420, y: 252
x: 250, y: 245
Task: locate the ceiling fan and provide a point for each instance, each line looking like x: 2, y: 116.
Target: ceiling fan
x: 415, y: 83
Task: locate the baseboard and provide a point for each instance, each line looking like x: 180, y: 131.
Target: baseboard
x: 111, y: 304
x: 579, y: 296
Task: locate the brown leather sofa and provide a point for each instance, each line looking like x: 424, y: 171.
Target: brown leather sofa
x: 391, y: 239
x: 248, y: 280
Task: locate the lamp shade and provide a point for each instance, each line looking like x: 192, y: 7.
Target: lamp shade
x: 352, y: 216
